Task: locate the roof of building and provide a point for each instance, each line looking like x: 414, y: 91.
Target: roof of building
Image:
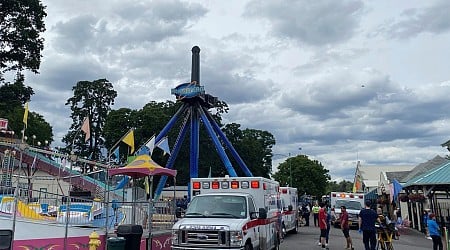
x: 372, y: 173
x: 439, y: 175
x: 425, y: 167
x: 396, y: 175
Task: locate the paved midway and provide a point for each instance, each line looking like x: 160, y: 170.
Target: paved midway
x: 307, y: 238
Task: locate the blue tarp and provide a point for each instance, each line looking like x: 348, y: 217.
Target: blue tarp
x: 397, y: 188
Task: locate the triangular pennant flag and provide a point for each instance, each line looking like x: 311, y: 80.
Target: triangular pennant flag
x: 86, y: 129
x: 129, y: 140
x: 25, y: 115
x: 164, y: 145
x: 151, y: 144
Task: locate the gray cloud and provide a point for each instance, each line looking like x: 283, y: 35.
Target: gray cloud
x: 314, y: 23
x: 306, y: 96
x: 434, y: 19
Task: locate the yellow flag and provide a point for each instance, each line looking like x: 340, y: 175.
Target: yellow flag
x: 129, y: 140
x: 25, y: 115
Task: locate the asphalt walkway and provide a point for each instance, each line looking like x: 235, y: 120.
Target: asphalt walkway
x: 307, y: 238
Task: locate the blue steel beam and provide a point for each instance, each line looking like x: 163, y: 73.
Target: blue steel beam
x: 173, y: 156
x: 170, y: 124
x: 235, y: 154
x: 195, y: 133
x: 219, y: 148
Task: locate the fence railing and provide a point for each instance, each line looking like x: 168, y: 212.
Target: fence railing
x: 86, y: 211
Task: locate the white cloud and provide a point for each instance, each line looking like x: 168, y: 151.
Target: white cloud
x: 343, y: 80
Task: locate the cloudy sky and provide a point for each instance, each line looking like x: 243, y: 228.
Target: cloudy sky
x: 342, y: 80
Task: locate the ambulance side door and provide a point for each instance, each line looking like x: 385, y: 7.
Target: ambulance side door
x: 255, y: 230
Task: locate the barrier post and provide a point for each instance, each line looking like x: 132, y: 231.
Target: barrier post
x: 94, y: 241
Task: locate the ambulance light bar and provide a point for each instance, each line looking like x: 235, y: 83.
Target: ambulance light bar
x: 343, y: 195
x: 226, y: 185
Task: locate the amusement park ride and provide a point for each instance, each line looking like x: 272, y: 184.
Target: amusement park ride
x: 196, y: 104
x: 194, y: 111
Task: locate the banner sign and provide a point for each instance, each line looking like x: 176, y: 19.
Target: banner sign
x: 187, y: 90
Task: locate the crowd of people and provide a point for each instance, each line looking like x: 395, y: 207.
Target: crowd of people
x: 372, y: 222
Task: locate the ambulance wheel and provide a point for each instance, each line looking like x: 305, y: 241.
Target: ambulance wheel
x: 295, y: 230
x: 283, y: 231
x: 248, y: 246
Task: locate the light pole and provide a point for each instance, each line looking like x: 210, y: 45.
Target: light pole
x: 290, y: 166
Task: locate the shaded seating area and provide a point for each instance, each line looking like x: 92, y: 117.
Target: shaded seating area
x: 430, y: 189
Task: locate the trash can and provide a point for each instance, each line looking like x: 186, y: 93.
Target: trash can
x: 132, y: 234
x: 6, y: 236
x: 116, y: 243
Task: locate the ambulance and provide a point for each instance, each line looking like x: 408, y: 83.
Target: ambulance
x: 289, y: 203
x: 230, y: 213
x: 353, y: 202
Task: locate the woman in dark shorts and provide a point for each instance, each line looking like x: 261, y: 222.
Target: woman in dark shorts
x: 345, y: 228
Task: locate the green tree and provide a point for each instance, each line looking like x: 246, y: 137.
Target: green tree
x: 308, y: 176
x: 14, y: 95
x: 342, y: 186
x: 21, y: 23
x: 94, y: 100
x: 12, y: 100
x: 254, y: 147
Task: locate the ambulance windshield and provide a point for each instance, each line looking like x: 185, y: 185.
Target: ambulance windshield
x: 350, y: 205
x: 217, y: 206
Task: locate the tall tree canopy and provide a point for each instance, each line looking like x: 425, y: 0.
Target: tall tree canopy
x: 342, y: 186
x: 94, y: 100
x: 308, y: 176
x: 254, y: 145
x: 21, y: 23
x: 12, y: 100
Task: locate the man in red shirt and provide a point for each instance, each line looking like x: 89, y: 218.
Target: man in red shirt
x: 323, y: 224
x: 345, y: 227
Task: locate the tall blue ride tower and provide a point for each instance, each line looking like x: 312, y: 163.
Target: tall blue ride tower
x: 196, y: 104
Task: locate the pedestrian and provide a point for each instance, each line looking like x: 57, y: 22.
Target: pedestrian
x: 328, y: 221
x: 322, y: 220
x: 346, y: 228
x: 435, y: 232
x: 425, y: 224
x: 315, y: 210
x: 306, y: 214
x: 367, y: 220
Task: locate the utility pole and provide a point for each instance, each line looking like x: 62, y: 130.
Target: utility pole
x: 290, y: 170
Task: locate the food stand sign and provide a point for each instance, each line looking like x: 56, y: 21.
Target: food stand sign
x: 3, y: 124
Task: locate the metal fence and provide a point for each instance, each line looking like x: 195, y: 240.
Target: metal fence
x: 103, y: 215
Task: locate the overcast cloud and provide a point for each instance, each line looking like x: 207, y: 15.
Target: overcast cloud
x: 342, y: 80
